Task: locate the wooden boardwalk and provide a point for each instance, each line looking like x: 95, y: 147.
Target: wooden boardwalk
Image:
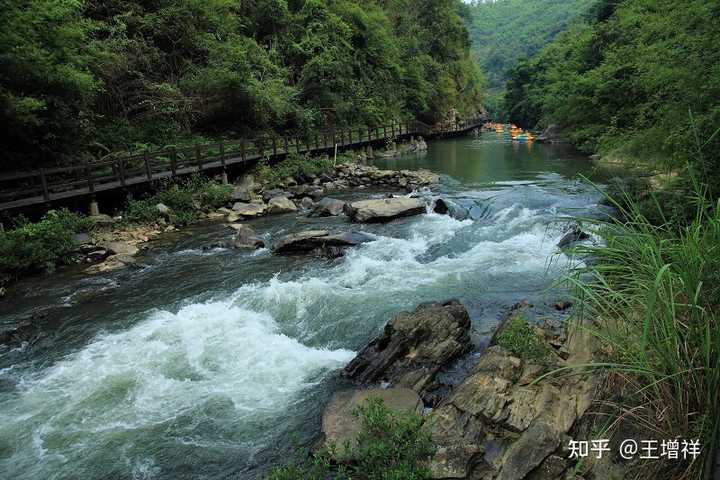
x: 23, y: 189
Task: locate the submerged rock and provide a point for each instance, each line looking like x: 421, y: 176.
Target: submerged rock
x: 414, y: 347
x: 574, y: 234
x: 384, y: 209
x: 447, y: 207
x: 310, y: 240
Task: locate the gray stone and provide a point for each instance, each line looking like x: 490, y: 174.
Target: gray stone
x: 328, y: 207
x: 310, y: 240
x: 307, y: 203
x: 242, y: 194
x: 385, y: 209
x: 281, y: 205
x: 120, y: 248
x: 274, y: 192
x: 414, y: 347
x: 80, y: 239
x: 447, y: 207
x: 245, y: 238
x: 249, y: 209
x: 573, y: 235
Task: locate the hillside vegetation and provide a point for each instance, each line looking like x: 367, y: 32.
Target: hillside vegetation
x: 641, y: 78
x: 82, y: 78
x: 505, y: 31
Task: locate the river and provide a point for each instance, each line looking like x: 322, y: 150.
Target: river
x: 214, y: 363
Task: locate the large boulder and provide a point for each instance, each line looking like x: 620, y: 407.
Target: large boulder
x: 274, y: 192
x: 384, y: 209
x: 414, y: 347
x: 242, y: 193
x: 498, y: 424
x: 340, y: 422
x: 281, y: 204
x: 249, y: 210
x: 310, y: 240
x: 245, y: 238
x: 328, y: 207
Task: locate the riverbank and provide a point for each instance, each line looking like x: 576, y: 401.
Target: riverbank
x: 111, y: 242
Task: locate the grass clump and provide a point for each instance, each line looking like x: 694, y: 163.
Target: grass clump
x: 43, y: 245
x: 293, y: 165
x: 654, y: 291
x: 519, y: 338
x: 391, y: 445
x: 186, y: 199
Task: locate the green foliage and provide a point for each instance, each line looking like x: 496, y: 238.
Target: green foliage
x: 505, y: 31
x: 624, y: 81
x: 519, y: 338
x: 83, y: 78
x: 654, y: 290
x: 390, y: 446
x: 186, y: 199
x: 43, y: 245
x: 293, y: 166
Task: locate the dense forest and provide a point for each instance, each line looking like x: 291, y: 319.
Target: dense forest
x: 82, y: 78
x: 506, y: 31
x: 640, y: 78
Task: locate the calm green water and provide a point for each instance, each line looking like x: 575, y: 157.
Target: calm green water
x: 203, y: 364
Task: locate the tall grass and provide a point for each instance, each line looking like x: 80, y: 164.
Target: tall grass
x: 654, y: 292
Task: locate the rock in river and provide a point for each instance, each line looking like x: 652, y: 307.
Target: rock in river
x: 574, y: 234
x: 245, y: 238
x: 281, y: 204
x: 307, y: 241
x: 414, y: 347
x: 384, y: 209
x: 447, y: 207
x: 328, y: 207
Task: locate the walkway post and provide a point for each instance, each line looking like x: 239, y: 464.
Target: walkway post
x: 94, y: 207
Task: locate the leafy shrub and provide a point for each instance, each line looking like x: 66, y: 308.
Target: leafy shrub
x: 42, y: 245
x: 519, y: 338
x: 185, y: 198
x: 390, y: 445
x: 293, y: 165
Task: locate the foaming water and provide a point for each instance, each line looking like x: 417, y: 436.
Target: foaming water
x: 204, y: 361
x: 164, y: 368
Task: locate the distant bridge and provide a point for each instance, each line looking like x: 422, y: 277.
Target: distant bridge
x: 27, y: 188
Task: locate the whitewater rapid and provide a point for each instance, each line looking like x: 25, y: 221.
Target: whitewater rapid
x: 212, y: 384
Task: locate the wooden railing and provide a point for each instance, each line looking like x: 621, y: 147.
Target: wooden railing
x: 19, y: 189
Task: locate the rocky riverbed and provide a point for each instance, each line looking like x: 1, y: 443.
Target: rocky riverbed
x: 113, y: 246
